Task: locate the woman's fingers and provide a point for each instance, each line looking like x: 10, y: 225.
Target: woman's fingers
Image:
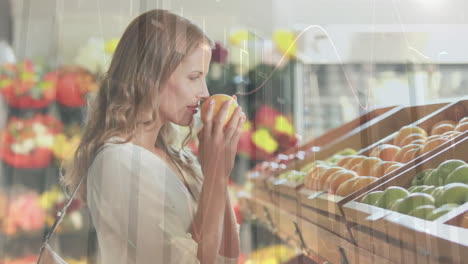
x: 208, y: 119
x: 219, y: 120
x: 232, y: 125
x: 238, y: 131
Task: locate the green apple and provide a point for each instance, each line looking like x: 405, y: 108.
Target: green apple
x: 437, y: 192
x: 453, y: 193
x: 394, y: 205
x: 422, y: 211
x: 293, y: 175
x: 449, y: 206
x: 415, y: 200
x: 428, y: 189
x: 420, y: 177
x: 446, y: 167
x: 347, y: 152
x: 441, y: 211
x: 372, y: 198
x: 460, y: 174
x: 307, y: 167
x: 432, y: 178
x: 417, y: 188
x: 391, y: 194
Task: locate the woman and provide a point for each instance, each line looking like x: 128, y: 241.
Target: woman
x: 150, y: 200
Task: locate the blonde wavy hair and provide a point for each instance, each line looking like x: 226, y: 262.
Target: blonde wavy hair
x: 149, y: 51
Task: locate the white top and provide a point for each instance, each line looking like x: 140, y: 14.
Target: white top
x: 161, y: 221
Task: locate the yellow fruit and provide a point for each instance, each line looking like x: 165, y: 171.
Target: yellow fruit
x: 434, y: 143
x: 346, y: 187
x: 362, y: 182
x: 410, y: 155
x: 463, y: 120
x: 323, y: 178
x: 354, y: 161
x: 392, y: 168
x: 412, y: 137
x: 462, y: 127
x: 345, y: 160
x: 386, y: 152
x: 381, y: 167
x: 311, y: 181
x: 418, y: 141
x: 405, y: 131
x: 442, y: 128
x: 364, y: 168
x: 219, y: 100
x: 341, y: 177
x: 399, y: 156
x: 451, y: 134
x: 450, y: 122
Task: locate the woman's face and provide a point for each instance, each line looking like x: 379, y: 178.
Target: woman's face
x: 186, y: 87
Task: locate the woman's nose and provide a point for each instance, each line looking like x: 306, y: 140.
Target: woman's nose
x: 204, y: 93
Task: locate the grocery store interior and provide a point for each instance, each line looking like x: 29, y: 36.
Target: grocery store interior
x: 355, y: 147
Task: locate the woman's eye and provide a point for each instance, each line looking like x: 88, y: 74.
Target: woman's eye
x: 194, y: 78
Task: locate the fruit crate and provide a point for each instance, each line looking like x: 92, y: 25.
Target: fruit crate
x: 382, y: 231
x: 331, y: 203
x: 371, y: 132
x: 259, y: 178
x: 284, y: 193
x: 453, y: 112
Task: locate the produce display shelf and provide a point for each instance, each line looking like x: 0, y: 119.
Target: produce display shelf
x: 364, y: 135
x: 330, y: 203
x: 331, y: 136
x: 312, y: 239
x: 443, y: 240
x: 374, y: 131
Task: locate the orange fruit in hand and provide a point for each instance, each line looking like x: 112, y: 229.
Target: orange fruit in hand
x: 339, y: 178
x: 405, y: 131
x: 219, y: 100
x: 442, y: 128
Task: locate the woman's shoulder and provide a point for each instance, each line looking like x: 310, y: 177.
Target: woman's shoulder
x: 117, y: 152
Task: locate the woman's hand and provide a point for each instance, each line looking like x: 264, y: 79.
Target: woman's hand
x: 217, y: 150
x: 218, y: 142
